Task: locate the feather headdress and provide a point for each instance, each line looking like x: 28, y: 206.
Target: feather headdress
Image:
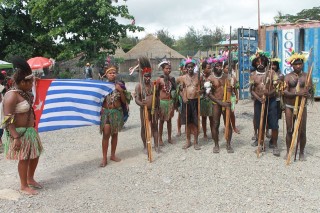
x: 219, y: 59
x: 182, y: 63
x: 296, y: 56
x: 276, y: 60
x: 259, y: 53
x: 145, y: 65
x: 163, y: 62
x: 190, y: 60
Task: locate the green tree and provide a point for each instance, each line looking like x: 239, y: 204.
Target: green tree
x: 19, y: 35
x: 127, y: 43
x: 163, y: 35
x: 308, y: 14
x: 192, y: 41
x: 211, y: 37
x: 83, y: 26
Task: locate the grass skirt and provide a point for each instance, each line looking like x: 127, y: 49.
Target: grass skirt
x: 113, y: 117
x: 31, y: 146
x: 206, y: 107
x: 166, y: 110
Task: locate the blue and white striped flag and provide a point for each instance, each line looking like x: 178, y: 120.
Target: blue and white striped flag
x: 69, y: 103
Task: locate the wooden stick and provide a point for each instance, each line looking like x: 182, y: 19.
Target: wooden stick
x: 227, y: 109
x: 296, y: 103
x: 227, y: 93
x: 262, y: 113
x: 199, y: 72
x: 153, y: 98
x: 296, y: 128
x: 148, y: 133
x: 300, y: 113
x: 297, y: 146
x: 261, y: 129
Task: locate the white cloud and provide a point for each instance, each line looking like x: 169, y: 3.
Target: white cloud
x: 177, y: 16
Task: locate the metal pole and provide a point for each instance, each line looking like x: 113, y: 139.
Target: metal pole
x: 259, y: 24
x: 243, y: 54
x: 249, y: 53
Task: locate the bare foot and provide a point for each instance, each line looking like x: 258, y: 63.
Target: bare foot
x: 186, y: 146
x: 171, y: 141
x: 196, y: 146
x: 276, y: 151
x: 34, y: 184
x: 236, y: 130
x: 161, y: 143
x: 145, y: 151
x: 178, y: 134
x: 103, y: 163
x: 157, y: 149
x: 216, y: 149
x: 114, y: 158
x: 28, y: 191
x: 268, y: 134
x: 302, y: 157
x: 230, y: 149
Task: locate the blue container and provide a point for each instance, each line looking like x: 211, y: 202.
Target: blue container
x: 299, y: 36
x: 247, y: 46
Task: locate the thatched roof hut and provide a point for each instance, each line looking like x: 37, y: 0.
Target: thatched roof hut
x: 155, y: 50
x: 119, y: 53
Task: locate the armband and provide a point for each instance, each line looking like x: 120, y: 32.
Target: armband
x: 8, y: 119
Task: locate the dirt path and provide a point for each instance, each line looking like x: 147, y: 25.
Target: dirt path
x: 177, y: 180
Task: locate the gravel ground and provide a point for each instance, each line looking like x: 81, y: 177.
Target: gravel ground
x: 177, y: 181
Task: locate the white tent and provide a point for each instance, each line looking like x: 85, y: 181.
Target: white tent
x: 4, y: 65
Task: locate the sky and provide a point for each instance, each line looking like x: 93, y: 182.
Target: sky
x: 176, y: 16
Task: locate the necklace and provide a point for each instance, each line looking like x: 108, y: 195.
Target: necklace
x: 167, y: 86
x: 217, y: 77
x: 191, y: 83
x: 260, y: 73
x: 25, y: 95
x: 148, y: 91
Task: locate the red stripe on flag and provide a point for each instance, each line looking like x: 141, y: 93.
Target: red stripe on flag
x: 41, y: 93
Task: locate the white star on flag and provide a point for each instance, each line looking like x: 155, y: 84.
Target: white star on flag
x: 38, y: 106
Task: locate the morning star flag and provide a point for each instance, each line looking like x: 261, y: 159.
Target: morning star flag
x: 69, y: 103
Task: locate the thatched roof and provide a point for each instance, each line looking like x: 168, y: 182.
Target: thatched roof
x: 119, y: 53
x: 152, y: 47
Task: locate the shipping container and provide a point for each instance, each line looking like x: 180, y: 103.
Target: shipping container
x: 301, y: 37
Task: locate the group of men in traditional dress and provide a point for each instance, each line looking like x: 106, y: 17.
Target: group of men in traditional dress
x: 182, y: 95
x: 274, y: 93
x: 268, y: 87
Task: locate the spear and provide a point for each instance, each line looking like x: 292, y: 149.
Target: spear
x: 199, y: 71
x: 301, y: 109
x: 262, y: 113
x: 154, y: 106
x: 227, y: 92
x: 300, y: 112
x: 145, y: 65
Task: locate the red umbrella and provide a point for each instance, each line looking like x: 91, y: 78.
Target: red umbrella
x: 39, y: 63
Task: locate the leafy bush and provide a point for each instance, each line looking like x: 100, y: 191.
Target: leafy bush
x: 65, y: 75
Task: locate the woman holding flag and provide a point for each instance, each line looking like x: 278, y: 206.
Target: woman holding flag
x: 21, y: 140
x: 111, y: 117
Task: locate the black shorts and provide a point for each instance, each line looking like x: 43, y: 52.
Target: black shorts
x: 272, y: 113
x: 192, y: 112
